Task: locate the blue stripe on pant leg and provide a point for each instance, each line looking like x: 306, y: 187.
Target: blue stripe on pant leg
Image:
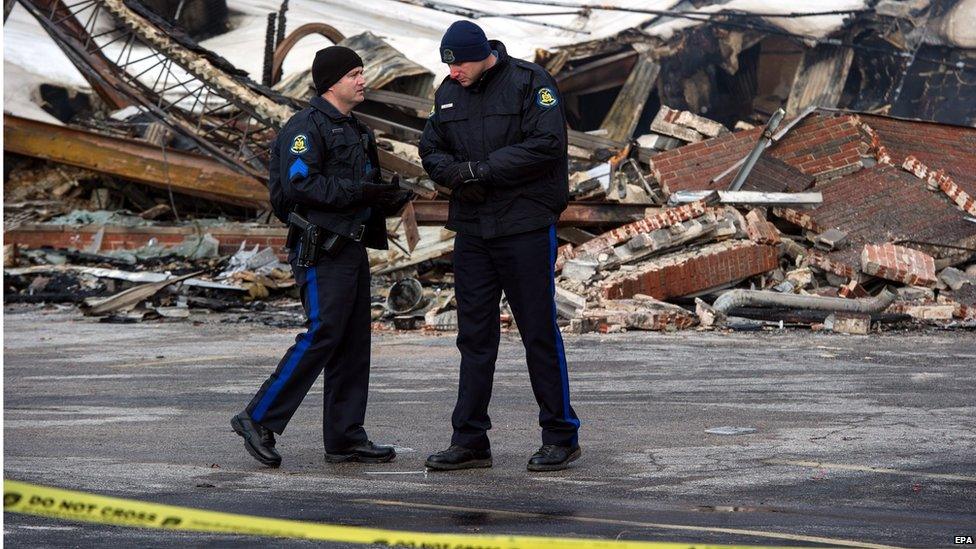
x: 313, y: 312
x: 560, y: 349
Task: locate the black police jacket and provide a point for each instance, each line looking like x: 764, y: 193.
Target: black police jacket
x: 319, y: 162
x: 513, y: 119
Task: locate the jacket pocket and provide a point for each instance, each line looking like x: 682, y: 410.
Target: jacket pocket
x: 503, y: 124
x: 344, y: 154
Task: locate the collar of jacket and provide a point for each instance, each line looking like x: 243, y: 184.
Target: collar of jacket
x: 321, y: 104
x: 497, y: 68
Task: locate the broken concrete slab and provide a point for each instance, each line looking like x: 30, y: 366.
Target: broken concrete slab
x: 700, y: 124
x: 848, y: 323
x: 658, y: 142
x: 830, y: 240
x: 707, y: 315
x: 581, y: 269
x: 955, y: 279
x: 931, y: 311
x: 800, y: 278
x: 641, y: 313
x: 569, y: 305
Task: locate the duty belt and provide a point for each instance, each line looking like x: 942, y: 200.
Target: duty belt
x: 357, y: 234
x: 308, y: 239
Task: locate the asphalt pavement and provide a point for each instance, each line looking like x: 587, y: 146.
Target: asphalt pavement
x: 859, y: 441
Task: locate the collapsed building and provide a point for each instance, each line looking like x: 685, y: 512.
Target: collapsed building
x: 851, y: 207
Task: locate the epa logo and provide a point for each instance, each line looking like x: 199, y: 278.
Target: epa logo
x: 964, y: 540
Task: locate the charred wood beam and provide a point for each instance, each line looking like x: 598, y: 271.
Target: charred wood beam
x: 622, y: 119
x: 421, y: 105
x: 400, y: 165
x: 820, y: 78
x: 599, y: 75
x: 133, y: 160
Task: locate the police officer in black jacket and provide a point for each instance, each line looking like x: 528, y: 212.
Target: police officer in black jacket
x: 497, y: 138
x: 325, y: 183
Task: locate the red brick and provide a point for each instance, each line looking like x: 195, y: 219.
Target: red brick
x: 899, y: 264
x: 689, y: 272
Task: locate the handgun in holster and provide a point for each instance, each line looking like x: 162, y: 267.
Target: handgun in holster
x: 308, y: 239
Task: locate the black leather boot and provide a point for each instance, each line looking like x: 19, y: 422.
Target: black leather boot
x: 458, y: 457
x: 553, y: 458
x: 259, y: 441
x: 366, y: 452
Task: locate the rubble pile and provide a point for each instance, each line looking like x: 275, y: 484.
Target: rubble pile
x: 721, y: 176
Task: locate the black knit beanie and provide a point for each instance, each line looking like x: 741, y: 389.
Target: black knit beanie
x: 464, y: 41
x: 331, y: 64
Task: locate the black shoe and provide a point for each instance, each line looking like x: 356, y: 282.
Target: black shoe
x: 259, y: 441
x: 553, y: 458
x: 367, y: 452
x: 458, y: 457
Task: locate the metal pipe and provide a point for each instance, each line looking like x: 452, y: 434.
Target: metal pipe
x: 744, y: 298
x: 764, y: 141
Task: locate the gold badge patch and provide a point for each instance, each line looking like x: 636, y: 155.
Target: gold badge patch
x: 545, y: 98
x: 299, y: 144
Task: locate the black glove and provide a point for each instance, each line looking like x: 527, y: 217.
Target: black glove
x: 467, y: 171
x: 393, y: 207
x: 375, y: 194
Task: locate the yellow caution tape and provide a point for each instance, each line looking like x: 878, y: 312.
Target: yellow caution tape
x: 32, y: 499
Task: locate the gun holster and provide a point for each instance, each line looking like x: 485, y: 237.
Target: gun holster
x: 309, y: 240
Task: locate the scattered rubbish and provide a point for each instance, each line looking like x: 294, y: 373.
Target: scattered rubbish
x: 406, y: 295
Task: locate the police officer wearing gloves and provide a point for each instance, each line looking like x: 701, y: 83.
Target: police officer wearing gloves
x: 325, y: 184
x: 497, y: 138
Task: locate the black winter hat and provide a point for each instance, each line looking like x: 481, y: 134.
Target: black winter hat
x: 464, y: 41
x: 331, y: 64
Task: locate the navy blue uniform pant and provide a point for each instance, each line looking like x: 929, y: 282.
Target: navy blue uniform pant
x: 335, y: 294
x: 522, y: 266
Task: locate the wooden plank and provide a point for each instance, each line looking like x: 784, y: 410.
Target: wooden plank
x: 622, y: 119
x: 409, y: 223
x: 404, y: 167
x: 820, y: 78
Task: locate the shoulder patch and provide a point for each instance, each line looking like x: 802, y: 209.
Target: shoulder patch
x: 433, y: 109
x: 546, y: 98
x: 299, y: 144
